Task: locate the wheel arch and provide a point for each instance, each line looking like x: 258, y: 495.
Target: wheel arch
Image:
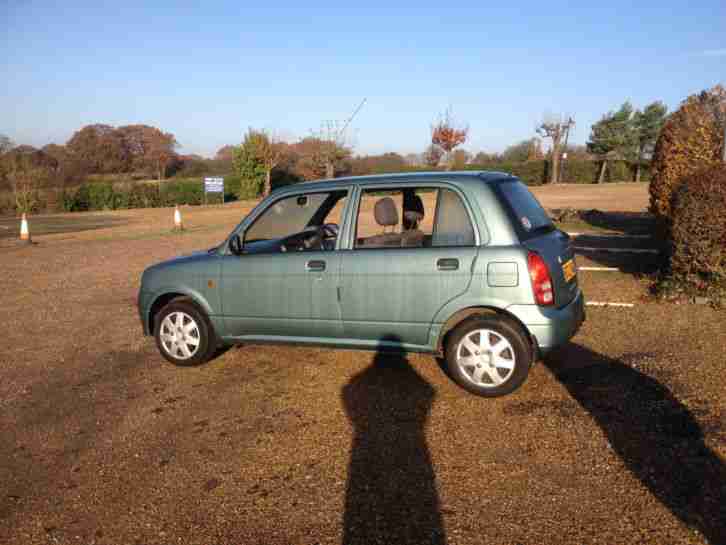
x: 464, y: 314
x: 165, y: 297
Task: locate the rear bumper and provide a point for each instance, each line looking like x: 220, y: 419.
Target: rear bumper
x: 552, y: 327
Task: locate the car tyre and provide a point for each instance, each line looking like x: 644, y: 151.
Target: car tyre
x: 183, y: 333
x: 489, y: 356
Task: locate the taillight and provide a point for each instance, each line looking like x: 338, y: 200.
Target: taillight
x: 541, y: 279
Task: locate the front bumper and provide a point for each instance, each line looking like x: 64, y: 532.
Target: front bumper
x: 144, y: 301
x: 552, y: 327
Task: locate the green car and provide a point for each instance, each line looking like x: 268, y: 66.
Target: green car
x: 464, y: 265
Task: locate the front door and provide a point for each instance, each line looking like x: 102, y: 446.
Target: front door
x: 413, y: 251
x: 283, y: 285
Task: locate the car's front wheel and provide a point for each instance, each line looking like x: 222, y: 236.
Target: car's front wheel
x: 183, y: 333
x: 488, y: 356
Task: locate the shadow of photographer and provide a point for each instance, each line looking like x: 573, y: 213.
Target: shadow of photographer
x: 656, y: 436
x: 391, y: 495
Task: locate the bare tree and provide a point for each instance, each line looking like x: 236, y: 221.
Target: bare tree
x: 446, y: 134
x: 555, y: 128
x: 271, y: 151
x: 25, y: 179
x: 332, y: 138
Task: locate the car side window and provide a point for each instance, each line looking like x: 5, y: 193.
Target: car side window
x: 297, y: 223
x: 395, y: 218
x: 453, y: 225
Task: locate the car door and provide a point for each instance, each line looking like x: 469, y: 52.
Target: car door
x: 393, y: 292
x: 268, y: 294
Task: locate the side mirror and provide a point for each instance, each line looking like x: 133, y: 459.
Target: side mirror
x: 235, y: 245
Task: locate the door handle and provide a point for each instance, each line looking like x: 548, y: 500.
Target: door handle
x: 315, y: 265
x: 447, y: 264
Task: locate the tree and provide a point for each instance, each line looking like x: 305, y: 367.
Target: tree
x: 519, y: 152
x: 556, y: 129
x: 446, y: 134
x: 413, y: 159
x: 482, y: 158
x: 535, y: 153
x: 331, y: 146
x: 315, y: 158
x: 692, y: 138
x: 5, y: 144
x: 26, y: 173
x: 225, y: 153
x: 148, y: 148
x: 647, y: 125
x: 247, y: 162
x: 613, y: 137
x: 101, y: 149
x: 432, y: 156
x: 377, y: 164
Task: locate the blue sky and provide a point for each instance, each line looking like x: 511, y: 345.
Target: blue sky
x: 206, y: 71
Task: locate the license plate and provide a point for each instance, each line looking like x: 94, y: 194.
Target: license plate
x: 568, y: 268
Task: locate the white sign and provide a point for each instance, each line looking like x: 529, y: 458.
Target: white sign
x: 214, y: 185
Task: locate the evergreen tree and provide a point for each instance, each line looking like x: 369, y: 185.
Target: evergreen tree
x: 613, y: 137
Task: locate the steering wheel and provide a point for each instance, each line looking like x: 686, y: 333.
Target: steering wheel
x: 329, y: 230
x: 310, y: 238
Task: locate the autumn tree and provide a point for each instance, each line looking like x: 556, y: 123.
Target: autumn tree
x: 101, y: 149
x: 556, y: 129
x: 149, y: 148
x: 432, y: 155
x: 692, y: 138
x: 447, y: 135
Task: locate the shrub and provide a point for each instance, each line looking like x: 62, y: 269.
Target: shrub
x: 698, y: 231
x: 100, y: 196
x: 691, y: 139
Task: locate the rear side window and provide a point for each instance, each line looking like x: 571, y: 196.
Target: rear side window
x: 525, y: 210
x: 453, y: 227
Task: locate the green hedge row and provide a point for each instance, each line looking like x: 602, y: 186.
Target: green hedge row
x: 111, y: 196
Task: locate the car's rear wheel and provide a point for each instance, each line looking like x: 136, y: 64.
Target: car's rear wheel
x: 488, y: 356
x: 184, y: 334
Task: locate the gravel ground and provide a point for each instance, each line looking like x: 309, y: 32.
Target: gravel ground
x: 620, y: 437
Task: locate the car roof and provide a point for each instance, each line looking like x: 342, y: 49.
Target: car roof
x: 463, y: 177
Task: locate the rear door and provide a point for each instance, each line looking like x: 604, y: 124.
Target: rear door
x: 391, y: 292
x: 537, y: 233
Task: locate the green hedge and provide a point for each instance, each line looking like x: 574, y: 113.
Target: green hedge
x: 117, y: 196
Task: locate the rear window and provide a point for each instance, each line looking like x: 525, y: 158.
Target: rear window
x: 525, y: 210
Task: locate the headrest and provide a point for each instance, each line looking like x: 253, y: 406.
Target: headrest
x: 385, y: 212
x: 413, y: 216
